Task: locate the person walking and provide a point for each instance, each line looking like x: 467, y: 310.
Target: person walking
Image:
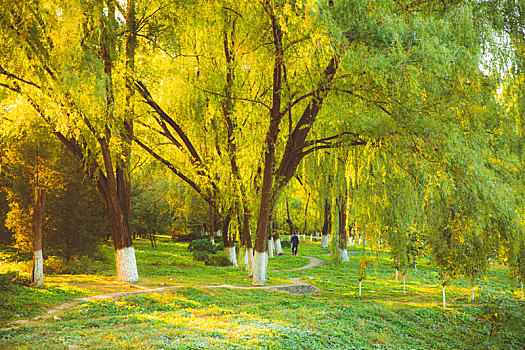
x: 295, y: 243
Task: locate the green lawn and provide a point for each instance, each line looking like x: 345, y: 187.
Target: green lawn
x: 191, y: 316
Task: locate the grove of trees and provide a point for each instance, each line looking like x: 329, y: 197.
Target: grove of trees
x: 395, y: 122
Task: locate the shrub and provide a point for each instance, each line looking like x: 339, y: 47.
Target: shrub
x: 203, y: 245
x: 219, y: 259
x: 13, y: 278
x: 200, y: 255
x: 54, y: 265
x: 286, y: 244
x: 179, y: 236
x: 502, y: 311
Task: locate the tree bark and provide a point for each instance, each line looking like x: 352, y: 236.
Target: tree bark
x: 327, y: 224
x: 342, y: 230
x: 37, y: 271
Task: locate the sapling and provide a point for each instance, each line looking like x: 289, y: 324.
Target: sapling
x: 362, y: 272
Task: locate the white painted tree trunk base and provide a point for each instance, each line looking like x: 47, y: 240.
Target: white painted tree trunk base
x: 38, y: 268
x: 521, y: 290
x: 404, y: 290
x: 232, y: 256
x: 259, y: 268
x: 359, y: 288
x: 249, y: 261
x: 324, y: 241
x: 278, y: 246
x: 343, y: 253
x: 126, y: 265
x: 444, y: 304
x: 472, y: 297
x: 397, y: 272
x: 311, y: 238
x: 270, y: 248
x: 304, y: 237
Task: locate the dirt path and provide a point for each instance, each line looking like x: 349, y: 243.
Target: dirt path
x: 298, y: 287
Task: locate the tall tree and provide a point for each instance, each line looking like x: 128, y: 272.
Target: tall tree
x: 74, y: 92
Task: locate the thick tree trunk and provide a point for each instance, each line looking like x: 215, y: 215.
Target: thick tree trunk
x: 114, y: 188
x: 37, y: 271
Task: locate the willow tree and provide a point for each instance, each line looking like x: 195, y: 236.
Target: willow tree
x: 197, y: 127
x: 68, y: 68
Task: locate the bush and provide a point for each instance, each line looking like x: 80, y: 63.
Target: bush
x: 203, y: 245
x: 179, y: 236
x: 502, y: 310
x: 286, y: 244
x: 219, y: 259
x: 13, y: 278
x: 54, y: 265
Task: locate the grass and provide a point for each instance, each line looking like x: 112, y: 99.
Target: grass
x: 191, y: 316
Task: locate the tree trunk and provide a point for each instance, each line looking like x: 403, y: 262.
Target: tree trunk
x: 359, y: 288
x: 115, y: 188
x: 343, y: 252
x: 37, y: 272
x: 277, y: 244
x: 404, y: 290
x: 289, y: 220
x: 327, y: 224
x: 211, y: 225
x: 229, y: 241
x: 444, y: 304
x: 247, y: 237
x: 270, y: 247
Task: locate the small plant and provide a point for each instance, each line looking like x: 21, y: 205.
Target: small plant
x: 362, y: 272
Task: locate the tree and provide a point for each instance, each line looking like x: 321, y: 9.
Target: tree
x: 78, y: 100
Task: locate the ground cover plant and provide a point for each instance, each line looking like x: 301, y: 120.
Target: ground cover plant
x: 193, y: 311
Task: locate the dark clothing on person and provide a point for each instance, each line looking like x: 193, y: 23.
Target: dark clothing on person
x: 295, y: 244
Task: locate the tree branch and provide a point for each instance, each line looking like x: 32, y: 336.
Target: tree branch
x: 175, y: 171
x: 233, y: 98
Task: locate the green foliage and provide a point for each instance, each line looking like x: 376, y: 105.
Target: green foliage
x: 286, y: 244
x: 218, y: 259
x: 75, y: 222
x: 201, y: 255
x: 54, y: 265
x: 13, y: 278
x: 502, y: 311
x: 203, y: 245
